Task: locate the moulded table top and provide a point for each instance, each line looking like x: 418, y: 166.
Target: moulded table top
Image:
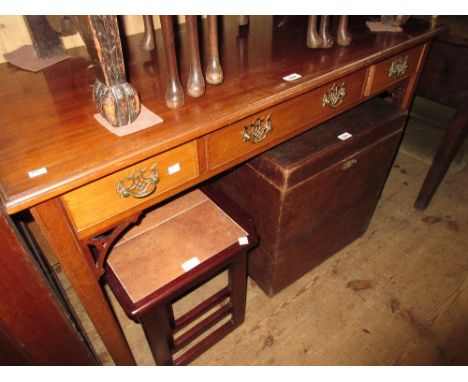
x: 46, y: 118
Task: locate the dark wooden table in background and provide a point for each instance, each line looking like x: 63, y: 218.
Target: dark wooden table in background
x: 445, y: 80
x: 47, y: 122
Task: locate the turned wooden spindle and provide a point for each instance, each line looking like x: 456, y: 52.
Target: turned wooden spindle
x: 343, y: 37
x: 314, y: 40
x: 243, y: 20
x: 214, y: 72
x: 147, y: 41
x: 174, y: 91
x: 242, y: 48
x: 47, y: 42
x: 196, y: 83
x: 327, y: 39
x: 115, y: 98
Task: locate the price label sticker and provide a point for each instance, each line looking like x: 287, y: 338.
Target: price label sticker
x: 173, y: 169
x: 243, y: 240
x: 344, y: 136
x: 37, y: 172
x: 190, y: 264
x: 292, y: 77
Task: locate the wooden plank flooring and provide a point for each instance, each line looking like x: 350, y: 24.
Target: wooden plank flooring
x: 413, y: 309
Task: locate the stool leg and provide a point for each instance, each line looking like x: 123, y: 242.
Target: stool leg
x: 158, y: 331
x: 238, y: 287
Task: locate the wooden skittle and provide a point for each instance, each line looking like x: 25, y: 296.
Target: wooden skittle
x: 196, y: 83
x: 214, y: 71
x: 174, y: 92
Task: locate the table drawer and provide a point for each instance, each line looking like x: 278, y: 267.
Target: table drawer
x: 95, y: 203
x: 249, y: 136
x: 393, y: 70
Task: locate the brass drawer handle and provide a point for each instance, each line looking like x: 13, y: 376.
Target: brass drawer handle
x: 398, y: 67
x: 258, y: 130
x: 348, y: 164
x: 334, y: 97
x: 138, y: 186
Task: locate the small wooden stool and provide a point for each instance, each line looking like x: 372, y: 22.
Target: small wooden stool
x: 175, y: 249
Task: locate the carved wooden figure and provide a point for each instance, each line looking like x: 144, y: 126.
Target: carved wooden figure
x: 205, y: 140
x: 327, y: 39
x: 115, y: 98
x: 343, y: 37
x: 314, y: 40
x: 174, y: 92
x: 46, y: 41
x: 147, y: 41
x: 196, y: 83
x: 214, y: 72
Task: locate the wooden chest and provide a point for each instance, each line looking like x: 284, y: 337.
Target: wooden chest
x: 316, y: 193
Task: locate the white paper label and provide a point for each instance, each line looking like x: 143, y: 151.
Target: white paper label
x: 292, y: 77
x: 39, y: 171
x: 243, y: 240
x: 173, y: 169
x: 344, y: 136
x: 190, y: 264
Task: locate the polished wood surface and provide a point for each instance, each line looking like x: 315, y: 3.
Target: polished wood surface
x: 75, y: 149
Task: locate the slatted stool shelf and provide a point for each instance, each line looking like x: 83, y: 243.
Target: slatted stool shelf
x: 179, y: 247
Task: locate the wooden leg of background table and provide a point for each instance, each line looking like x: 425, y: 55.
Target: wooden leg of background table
x: 52, y: 219
x: 448, y: 148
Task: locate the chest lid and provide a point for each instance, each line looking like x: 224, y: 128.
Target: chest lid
x: 315, y: 150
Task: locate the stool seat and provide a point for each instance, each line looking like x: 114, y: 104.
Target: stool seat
x: 174, y: 249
